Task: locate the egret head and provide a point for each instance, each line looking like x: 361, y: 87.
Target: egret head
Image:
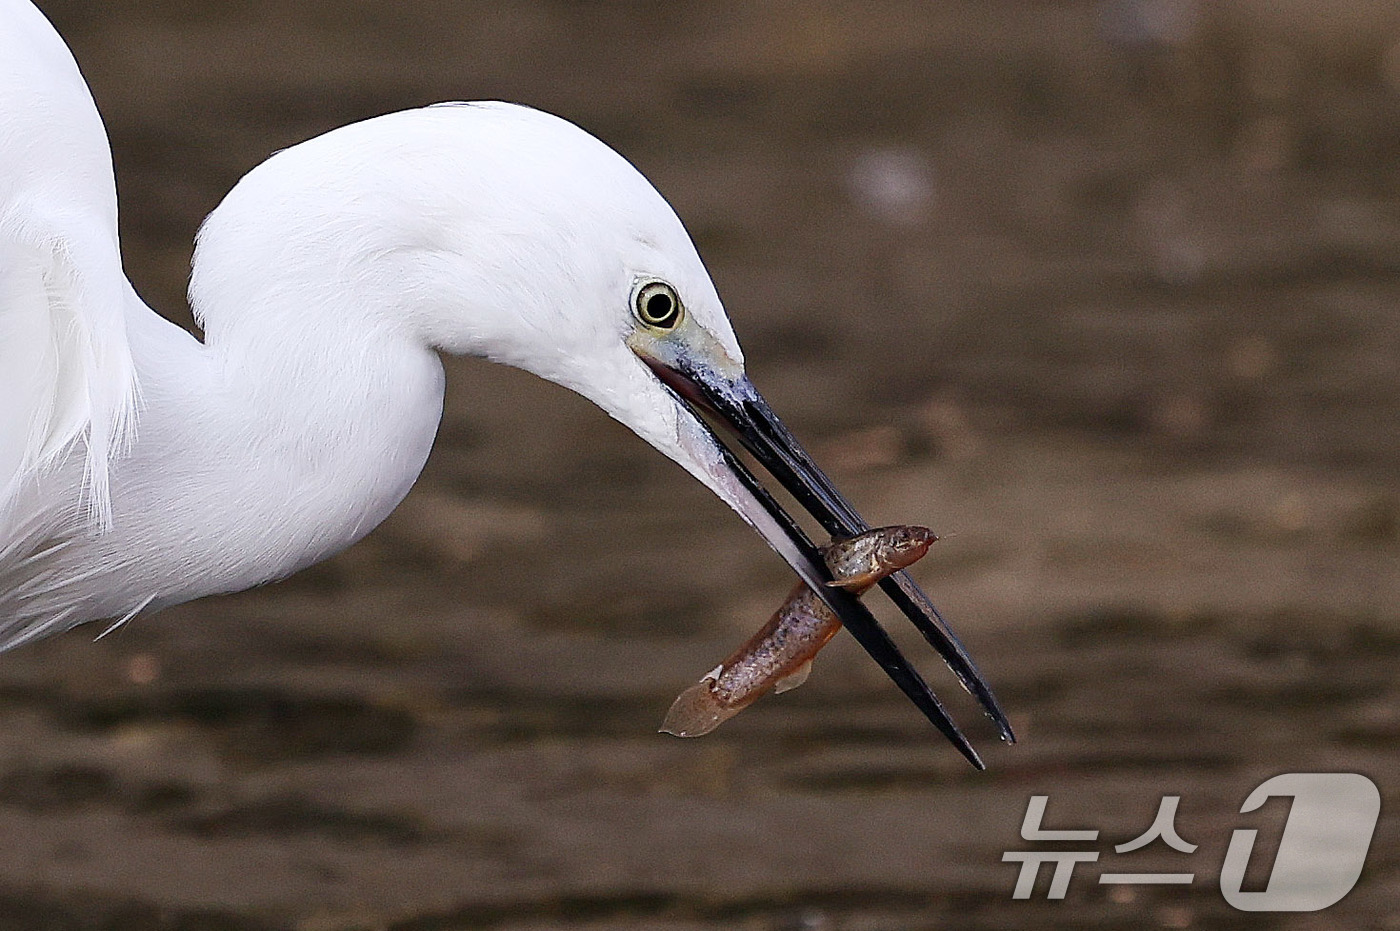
x: 500, y: 231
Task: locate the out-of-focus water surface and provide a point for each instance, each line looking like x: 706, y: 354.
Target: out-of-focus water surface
x: 1103, y: 292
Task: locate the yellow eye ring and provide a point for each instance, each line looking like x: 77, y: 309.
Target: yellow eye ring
x: 658, y: 305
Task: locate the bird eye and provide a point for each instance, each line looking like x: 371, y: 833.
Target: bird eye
x: 658, y: 305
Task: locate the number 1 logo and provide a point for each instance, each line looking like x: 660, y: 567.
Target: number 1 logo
x: 1324, y: 845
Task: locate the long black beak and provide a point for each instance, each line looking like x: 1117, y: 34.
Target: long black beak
x: 739, y: 406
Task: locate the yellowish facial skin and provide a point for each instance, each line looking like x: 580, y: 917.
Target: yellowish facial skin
x: 780, y: 655
x: 684, y: 347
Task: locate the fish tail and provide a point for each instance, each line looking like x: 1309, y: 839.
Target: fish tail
x: 696, y: 712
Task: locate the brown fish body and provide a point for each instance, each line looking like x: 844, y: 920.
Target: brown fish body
x: 780, y: 654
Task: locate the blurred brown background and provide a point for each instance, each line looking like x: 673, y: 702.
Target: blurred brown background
x: 1103, y: 292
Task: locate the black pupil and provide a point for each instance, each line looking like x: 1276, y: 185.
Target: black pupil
x: 660, y: 308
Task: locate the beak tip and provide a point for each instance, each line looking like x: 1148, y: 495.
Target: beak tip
x: 966, y: 749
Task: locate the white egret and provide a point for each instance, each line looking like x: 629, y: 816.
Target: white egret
x: 141, y: 467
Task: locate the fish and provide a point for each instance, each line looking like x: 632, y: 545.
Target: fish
x: 779, y: 657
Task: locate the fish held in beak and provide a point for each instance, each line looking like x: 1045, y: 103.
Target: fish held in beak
x: 779, y: 657
x: 705, y: 383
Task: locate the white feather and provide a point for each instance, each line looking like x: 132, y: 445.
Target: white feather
x: 66, y: 373
x: 326, y: 282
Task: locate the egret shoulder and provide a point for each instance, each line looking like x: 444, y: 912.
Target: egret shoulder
x: 65, y: 364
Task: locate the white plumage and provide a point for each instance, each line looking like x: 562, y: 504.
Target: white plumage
x: 65, y: 369
x: 141, y: 467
